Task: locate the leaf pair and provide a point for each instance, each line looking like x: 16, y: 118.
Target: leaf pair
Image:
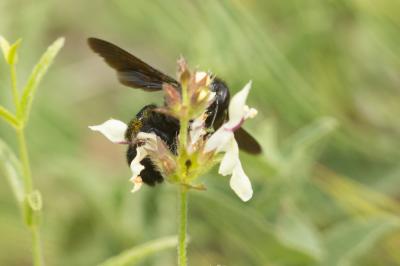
x: 10, y: 167
x: 24, y: 103
x: 9, y: 51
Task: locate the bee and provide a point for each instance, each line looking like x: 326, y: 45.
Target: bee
x: 135, y: 73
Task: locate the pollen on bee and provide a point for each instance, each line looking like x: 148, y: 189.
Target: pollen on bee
x: 134, y: 127
x: 137, y: 125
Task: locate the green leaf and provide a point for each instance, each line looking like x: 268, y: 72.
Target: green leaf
x: 300, y: 151
x: 10, y: 167
x: 9, y: 117
x: 310, y: 135
x: 350, y: 240
x: 37, y: 74
x: 5, y: 47
x: 135, y: 254
x: 10, y: 51
x: 294, y: 229
x: 243, y: 229
x: 12, y: 57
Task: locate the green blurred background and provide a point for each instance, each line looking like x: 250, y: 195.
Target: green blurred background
x: 327, y: 86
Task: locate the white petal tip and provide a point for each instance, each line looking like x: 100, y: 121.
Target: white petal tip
x: 200, y: 75
x: 248, y: 85
x: 112, y: 129
x: 246, y: 197
x: 240, y: 183
x: 137, y: 183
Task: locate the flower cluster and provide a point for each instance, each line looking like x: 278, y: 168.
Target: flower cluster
x: 197, y: 145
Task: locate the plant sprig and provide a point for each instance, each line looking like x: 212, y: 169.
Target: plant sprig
x: 19, y: 171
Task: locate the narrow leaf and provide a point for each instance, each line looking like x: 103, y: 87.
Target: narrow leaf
x: 350, y: 240
x: 10, y: 167
x: 354, y: 196
x: 257, y: 241
x: 8, y: 117
x: 5, y: 47
x: 37, y: 74
x: 12, y: 56
x: 135, y: 254
x: 310, y: 135
x: 295, y: 230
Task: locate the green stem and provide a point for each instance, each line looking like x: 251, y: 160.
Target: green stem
x: 182, y: 175
x: 15, y: 92
x: 184, y: 122
x: 36, y: 246
x: 28, y: 184
x: 182, y: 259
x: 23, y: 152
x: 183, y: 132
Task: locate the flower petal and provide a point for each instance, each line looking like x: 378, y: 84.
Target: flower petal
x: 112, y: 129
x: 219, y: 140
x: 200, y: 76
x: 150, y: 140
x: 136, y: 166
x: 237, y: 105
x: 197, y: 129
x: 137, y: 184
x: 230, y: 159
x: 240, y: 183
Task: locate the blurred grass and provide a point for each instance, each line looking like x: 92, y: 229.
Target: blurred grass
x: 325, y: 82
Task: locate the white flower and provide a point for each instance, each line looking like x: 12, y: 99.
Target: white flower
x: 197, y: 131
x: 150, y: 144
x: 137, y: 167
x: 112, y: 129
x: 240, y: 183
x: 201, y: 75
x: 223, y: 140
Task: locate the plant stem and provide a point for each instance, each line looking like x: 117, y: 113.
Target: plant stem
x: 183, y: 175
x: 36, y: 246
x: 184, y: 123
x: 15, y: 92
x: 182, y: 259
x: 28, y: 184
x: 23, y: 152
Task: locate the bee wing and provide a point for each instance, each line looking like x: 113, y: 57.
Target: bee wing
x: 131, y: 71
x: 246, y: 142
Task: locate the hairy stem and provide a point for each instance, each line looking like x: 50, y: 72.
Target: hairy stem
x: 183, y: 209
x: 183, y: 190
x: 28, y: 184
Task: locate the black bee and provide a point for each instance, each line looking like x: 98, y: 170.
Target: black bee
x: 135, y: 73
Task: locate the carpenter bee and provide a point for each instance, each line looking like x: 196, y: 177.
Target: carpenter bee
x: 133, y: 72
